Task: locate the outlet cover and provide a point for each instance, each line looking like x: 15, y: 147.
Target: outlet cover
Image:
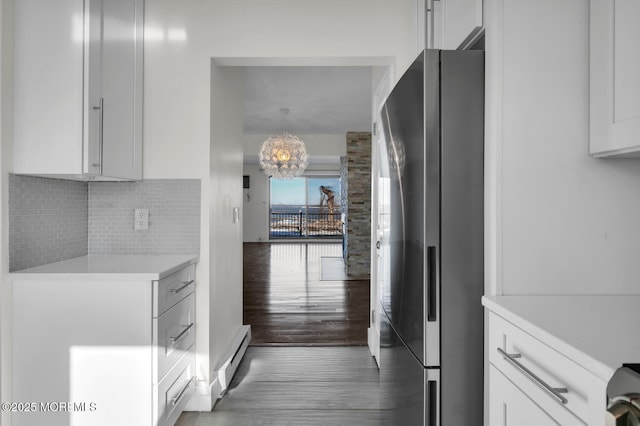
x: 141, y: 219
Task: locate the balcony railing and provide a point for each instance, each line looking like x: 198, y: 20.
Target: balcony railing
x: 305, y: 225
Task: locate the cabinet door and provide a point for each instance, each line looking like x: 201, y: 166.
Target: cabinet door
x: 114, y: 139
x: 48, y: 87
x: 615, y: 78
x: 454, y: 20
x: 510, y: 406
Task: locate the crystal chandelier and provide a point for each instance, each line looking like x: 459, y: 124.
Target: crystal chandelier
x: 283, y: 156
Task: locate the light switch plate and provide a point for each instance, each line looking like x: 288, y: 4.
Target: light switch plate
x: 141, y: 219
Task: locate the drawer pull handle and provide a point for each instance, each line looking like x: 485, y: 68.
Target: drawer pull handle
x: 183, y: 333
x: 555, y: 392
x: 182, y: 287
x: 176, y: 400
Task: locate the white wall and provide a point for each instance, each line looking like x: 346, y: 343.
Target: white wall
x: 180, y: 139
x: 225, y: 298
x: 177, y: 135
x: 317, y: 145
x: 6, y: 119
x: 256, y: 205
x: 558, y: 220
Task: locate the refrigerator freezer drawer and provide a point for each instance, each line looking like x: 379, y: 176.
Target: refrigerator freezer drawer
x: 411, y: 392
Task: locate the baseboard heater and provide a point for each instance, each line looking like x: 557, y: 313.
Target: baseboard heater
x: 232, y: 358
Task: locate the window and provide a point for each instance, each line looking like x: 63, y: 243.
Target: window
x: 306, y: 207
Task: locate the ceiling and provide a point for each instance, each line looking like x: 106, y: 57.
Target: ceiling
x: 319, y: 100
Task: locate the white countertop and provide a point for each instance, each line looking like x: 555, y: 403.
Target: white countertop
x: 598, y: 332
x: 119, y: 267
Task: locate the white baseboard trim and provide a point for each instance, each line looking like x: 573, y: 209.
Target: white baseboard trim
x: 373, y: 341
x: 201, y: 399
x: 205, y: 395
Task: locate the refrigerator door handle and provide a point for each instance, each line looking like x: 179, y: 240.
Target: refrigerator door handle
x: 431, y: 308
x: 432, y: 278
x: 432, y: 398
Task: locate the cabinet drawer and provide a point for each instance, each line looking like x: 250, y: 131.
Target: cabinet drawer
x: 172, y: 394
x: 170, y: 290
x: 510, y: 406
x: 174, y: 334
x: 549, y: 365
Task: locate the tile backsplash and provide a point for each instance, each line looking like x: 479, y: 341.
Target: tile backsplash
x: 52, y: 220
x: 174, y: 217
x: 47, y: 220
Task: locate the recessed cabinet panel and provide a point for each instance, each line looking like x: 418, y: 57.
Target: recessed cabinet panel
x: 626, y: 58
x: 170, y: 290
x: 615, y: 78
x: 174, y: 334
x: 48, y: 92
x: 122, y: 88
x: 510, y: 406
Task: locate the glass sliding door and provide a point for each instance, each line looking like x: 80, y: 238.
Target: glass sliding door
x: 305, y: 207
x: 287, y: 208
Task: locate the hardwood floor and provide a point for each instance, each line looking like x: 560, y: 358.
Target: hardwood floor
x: 287, y: 302
x: 292, y: 303
x: 300, y: 386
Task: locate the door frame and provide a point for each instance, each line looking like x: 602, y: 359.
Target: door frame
x: 373, y: 332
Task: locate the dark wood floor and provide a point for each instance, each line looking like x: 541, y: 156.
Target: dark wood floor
x: 290, y: 300
x: 301, y: 386
x: 287, y: 302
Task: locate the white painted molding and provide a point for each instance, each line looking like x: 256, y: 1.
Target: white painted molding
x: 373, y: 340
x: 202, y: 398
x: 494, y: 67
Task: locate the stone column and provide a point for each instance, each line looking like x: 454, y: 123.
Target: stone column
x: 357, y: 247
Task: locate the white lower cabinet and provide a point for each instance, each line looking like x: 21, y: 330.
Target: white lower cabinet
x: 531, y: 383
x: 102, y: 350
x: 173, y: 335
x: 174, y: 391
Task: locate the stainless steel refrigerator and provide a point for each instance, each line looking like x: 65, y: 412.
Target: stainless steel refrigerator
x: 432, y: 278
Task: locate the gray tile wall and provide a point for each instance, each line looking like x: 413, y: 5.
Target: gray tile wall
x: 47, y: 220
x: 174, y: 217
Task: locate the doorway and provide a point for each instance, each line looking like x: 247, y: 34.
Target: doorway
x: 268, y: 228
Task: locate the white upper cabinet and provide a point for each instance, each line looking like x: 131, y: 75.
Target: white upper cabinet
x: 453, y: 21
x: 615, y: 78
x: 78, y: 89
